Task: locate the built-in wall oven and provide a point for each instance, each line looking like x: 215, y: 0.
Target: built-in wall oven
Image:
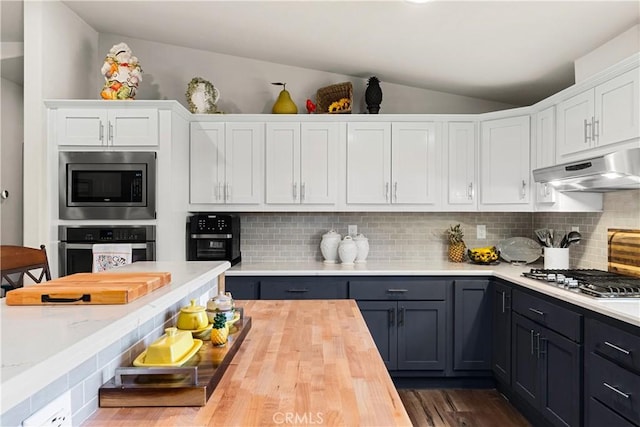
x: 76, y: 244
x: 107, y: 185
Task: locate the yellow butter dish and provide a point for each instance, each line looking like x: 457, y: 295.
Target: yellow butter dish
x: 174, y: 348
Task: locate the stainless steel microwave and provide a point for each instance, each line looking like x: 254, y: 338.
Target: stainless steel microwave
x: 107, y: 185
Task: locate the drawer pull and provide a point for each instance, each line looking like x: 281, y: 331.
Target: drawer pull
x: 541, y: 313
x: 621, y: 350
x: 298, y: 290
x: 610, y: 387
x: 397, y: 290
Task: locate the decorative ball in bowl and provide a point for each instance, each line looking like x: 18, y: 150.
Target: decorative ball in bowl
x: 485, y: 255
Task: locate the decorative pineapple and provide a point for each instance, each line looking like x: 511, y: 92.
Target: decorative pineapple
x: 456, y: 244
x: 220, y: 331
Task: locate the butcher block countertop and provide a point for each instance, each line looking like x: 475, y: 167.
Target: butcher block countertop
x: 302, y: 363
x: 623, y: 309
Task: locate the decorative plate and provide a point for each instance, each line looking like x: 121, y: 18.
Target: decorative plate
x: 519, y: 249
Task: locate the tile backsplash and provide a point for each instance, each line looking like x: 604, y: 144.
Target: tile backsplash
x: 621, y: 210
x: 393, y: 236
x: 411, y: 236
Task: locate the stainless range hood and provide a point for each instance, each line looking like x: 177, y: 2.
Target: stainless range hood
x: 609, y: 172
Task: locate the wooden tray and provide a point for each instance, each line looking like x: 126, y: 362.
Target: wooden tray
x: 189, y: 385
x: 89, y: 288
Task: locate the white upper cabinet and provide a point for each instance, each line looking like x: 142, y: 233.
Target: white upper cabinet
x: 226, y: 163
x: 397, y: 163
x: 368, y: 163
x: 107, y: 127
x: 415, y: 163
x: 301, y: 163
x: 504, y: 164
x: 594, y: 120
x: 461, y: 184
x: 544, y: 151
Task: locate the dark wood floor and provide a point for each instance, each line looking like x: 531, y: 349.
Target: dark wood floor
x: 460, y: 408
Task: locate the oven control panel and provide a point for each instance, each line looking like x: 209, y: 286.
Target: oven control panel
x: 108, y: 234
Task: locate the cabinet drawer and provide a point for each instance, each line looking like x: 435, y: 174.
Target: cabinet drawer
x: 559, y: 319
x: 599, y: 415
x: 398, y: 289
x: 242, y: 287
x: 303, y: 288
x: 613, y: 343
x: 614, y: 386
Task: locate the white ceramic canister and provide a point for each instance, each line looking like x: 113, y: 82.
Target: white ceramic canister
x: 221, y: 303
x: 347, y: 250
x: 329, y: 246
x: 362, y: 243
x: 556, y: 258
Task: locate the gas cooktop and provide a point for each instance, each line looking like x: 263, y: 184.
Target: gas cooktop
x: 595, y: 283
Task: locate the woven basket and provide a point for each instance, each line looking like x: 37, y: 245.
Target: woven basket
x: 325, y: 96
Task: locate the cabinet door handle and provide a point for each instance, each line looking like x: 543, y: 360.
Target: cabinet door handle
x: 541, y: 313
x: 392, y: 316
x: 295, y: 191
x: 298, y: 290
x: 615, y: 347
x: 386, y: 191
x: 595, y: 125
x: 503, y: 298
x: 508, y: 300
x: 523, y: 193
x: 395, y: 191
x: 531, y: 333
x: 101, y: 133
x: 396, y: 290
x: 401, y: 317
x: 227, y: 192
x: 111, y: 133
x: 612, y: 388
x: 470, y: 191
x: 540, y: 343
x: 587, y: 131
x: 218, y: 191
x: 302, y: 191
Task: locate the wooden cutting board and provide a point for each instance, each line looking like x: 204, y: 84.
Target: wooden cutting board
x: 89, y: 288
x: 624, y: 251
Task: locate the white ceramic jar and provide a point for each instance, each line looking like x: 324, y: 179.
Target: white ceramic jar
x: 329, y: 246
x: 362, y: 243
x: 347, y: 250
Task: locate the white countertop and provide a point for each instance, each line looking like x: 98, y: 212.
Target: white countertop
x: 626, y: 310
x: 41, y: 343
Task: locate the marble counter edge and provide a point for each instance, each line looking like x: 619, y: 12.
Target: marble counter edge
x: 36, y: 377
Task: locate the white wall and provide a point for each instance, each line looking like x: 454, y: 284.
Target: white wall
x: 610, y: 53
x: 11, y: 163
x: 245, y: 87
x: 60, y: 54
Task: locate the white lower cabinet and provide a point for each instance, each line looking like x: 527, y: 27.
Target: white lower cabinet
x: 393, y: 163
x: 226, y: 163
x: 461, y: 182
x: 504, y: 164
x: 302, y: 163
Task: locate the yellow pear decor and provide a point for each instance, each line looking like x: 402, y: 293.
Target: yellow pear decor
x: 284, y: 104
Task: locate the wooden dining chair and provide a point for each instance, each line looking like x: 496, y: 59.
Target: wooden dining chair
x: 16, y: 261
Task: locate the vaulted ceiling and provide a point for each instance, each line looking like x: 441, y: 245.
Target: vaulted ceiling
x: 516, y: 52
